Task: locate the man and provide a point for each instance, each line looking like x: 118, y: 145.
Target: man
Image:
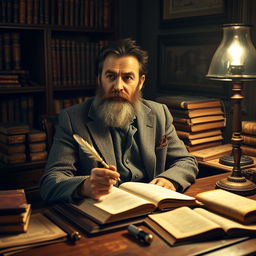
x: 134, y: 136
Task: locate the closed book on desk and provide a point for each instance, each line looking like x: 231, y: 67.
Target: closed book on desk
x: 41, y: 231
x: 197, y: 120
x: 88, y: 225
x: 249, y: 139
x: 191, y: 113
x: 234, y: 206
x: 189, y: 102
x: 248, y: 150
x: 9, y: 149
x: 206, y: 145
x: 12, y: 139
x: 198, y: 135
x: 199, y: 127
x: 131, y: 199
x: 186, y: 225
x: 212, y: 153
x: 13, y: 218
x: 12, y: 201
x: 203, y: 140
x: 19, y: 227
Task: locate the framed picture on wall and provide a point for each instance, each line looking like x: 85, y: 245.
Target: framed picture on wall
x: 184, y: 59
x: 191, y: 11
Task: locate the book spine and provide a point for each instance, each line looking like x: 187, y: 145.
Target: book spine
x: 249, y: 127
x: 249, y: 140
x: 7, y: 51
x: 15, y: 37
x: 22, y: 11
x: 247, y: 150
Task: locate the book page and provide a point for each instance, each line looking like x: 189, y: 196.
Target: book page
x: 225, y: 223
x: 152, y: 192
x: 229, y: 204
x: 40, y: 229
x: 183, y: 222
x: 116, y: 202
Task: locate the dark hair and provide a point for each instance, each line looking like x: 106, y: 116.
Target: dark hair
x: 123, y: 47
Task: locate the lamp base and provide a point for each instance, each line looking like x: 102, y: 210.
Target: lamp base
x: 229, y: 160
x: 237, y: 185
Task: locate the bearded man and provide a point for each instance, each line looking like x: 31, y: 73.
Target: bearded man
x: 134, y: 136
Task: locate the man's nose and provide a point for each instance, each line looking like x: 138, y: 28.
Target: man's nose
x: 119, y: 84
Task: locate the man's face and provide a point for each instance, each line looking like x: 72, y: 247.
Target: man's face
x: 120, y: 78
x: 119, y: 95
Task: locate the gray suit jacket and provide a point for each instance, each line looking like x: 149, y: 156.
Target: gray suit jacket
x: 163, y: 153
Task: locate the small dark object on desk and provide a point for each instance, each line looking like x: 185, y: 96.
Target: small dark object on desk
x: 139, y: 234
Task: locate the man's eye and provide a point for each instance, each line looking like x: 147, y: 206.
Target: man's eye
x: 111, y: 77
x: 127, y: 78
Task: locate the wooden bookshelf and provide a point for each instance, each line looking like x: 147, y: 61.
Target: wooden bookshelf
x: 48, y: 45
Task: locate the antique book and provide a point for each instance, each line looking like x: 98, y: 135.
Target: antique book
x: 15, y: 227
x: 249, y: 127
x: 13, y: 128
x: 9, y: 149
x: 41, y: 231
x: 189, y: 225
x: 35, y: 135
x: 90, y: 226
x: 248, y: 150
x: 13, y: 201
x: 12, y: 139
x: 249, y: 139
x: 203, y: 140
x: 212, y: 153
x: 131, y: 199
x: 198, y: 120
x: 13, y: 158
x: 199, y: 127
x: 188, y: 102
x: 38, y: 156
x: 234, y: 206
x: 37, y: 147
x: 198, y: 135
x: 206, y: 145
x: 190, y: 113
x: 12, y: 218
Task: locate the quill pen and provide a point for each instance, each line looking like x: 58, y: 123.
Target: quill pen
x: 90, y: 150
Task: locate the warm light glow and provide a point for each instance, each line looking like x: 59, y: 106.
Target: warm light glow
x: 236, y: 52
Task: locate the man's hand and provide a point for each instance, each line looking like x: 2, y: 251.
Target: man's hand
x: 100, y: 182
x: 162, y: 182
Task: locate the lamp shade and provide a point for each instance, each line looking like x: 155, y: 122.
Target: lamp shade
x: 236, y: 55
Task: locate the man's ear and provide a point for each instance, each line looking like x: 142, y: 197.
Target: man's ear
x: 142, y: 80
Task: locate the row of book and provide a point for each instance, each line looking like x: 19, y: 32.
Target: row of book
x: 84, y: 13
x: 19, y: 143
x: 10, y: 51
x: 59, y: 104
x: 198, y: 120
x: 17, y: 109
x: 73, y: 62
x: 15, y: 212
x: 249, y: 138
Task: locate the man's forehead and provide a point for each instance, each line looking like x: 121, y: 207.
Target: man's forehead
x: 125, y: 64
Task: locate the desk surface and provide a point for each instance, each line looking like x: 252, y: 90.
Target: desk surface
x: 121, y: 244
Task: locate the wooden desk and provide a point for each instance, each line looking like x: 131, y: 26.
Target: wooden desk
x: 121, y: 244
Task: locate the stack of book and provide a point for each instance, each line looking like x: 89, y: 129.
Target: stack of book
x: 12, y: 142
x: 249, y: 138
x: 36, y: 141
x: 9, y: 81
x: 14, y: 211
x: 198, y: 120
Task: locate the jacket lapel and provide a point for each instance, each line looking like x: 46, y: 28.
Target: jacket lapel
x: 146, y: 126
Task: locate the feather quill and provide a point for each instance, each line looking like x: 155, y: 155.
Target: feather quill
x: 89, y: 149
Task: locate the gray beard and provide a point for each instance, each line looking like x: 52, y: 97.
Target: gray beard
x: 118, y: 114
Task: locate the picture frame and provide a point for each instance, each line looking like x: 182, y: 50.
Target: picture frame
x: 177, y: 56
x: 180, y: 12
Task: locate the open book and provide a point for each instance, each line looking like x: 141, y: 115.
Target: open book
x: 186, y: 225
x: 131, y: 199
x: 229, y: 204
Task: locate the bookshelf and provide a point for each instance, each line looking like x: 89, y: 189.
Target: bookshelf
x: 49, y: 47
